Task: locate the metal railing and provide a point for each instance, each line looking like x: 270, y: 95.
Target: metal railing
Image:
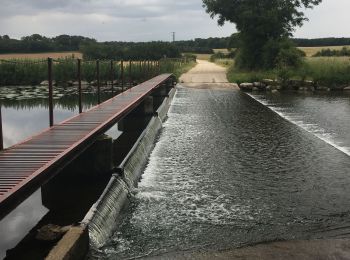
x: 124, y: 69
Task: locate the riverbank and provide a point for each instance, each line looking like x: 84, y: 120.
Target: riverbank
x: 323, y: 74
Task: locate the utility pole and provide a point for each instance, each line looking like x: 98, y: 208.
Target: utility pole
x: 173, y: 33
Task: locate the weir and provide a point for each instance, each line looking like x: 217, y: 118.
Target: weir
x: 103, y: 216
x: 115, y: 162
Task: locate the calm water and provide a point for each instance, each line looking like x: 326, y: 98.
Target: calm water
x: 25, y: 109
x: 24, y: 113
x: 229, y: 171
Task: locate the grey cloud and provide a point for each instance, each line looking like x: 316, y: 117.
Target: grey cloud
x: 140, y: 20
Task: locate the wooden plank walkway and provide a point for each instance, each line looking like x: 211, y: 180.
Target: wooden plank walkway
x: 26, y: 166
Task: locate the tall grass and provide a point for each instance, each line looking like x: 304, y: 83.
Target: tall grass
x: 176, y: 66
x: 33, y: 72
x: 329, y: 72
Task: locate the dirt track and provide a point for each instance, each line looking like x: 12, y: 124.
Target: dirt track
x: 206, y: 75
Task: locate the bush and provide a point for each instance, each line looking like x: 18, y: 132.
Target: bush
x: 345, y: 52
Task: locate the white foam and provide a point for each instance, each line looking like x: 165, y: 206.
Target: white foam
x: 314, y: 129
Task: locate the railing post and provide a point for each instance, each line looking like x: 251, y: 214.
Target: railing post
x: 112, y: 77
x: 79, y: 87
x: 49, y: 63
x: 98, y: 82
x: 148, y: 70
x: 122, y: 74
x: 130, y: 71
x: 1, y: 134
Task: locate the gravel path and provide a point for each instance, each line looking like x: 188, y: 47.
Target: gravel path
x: 207, y: 75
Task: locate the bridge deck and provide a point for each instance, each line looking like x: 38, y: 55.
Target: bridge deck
x: 26, y: 166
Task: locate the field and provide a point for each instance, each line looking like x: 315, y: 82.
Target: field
x: 202, y: 56
x: 35, y: 56
x: 310, y: 51
x: 224, y: 51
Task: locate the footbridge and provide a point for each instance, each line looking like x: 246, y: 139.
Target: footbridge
x: 28, y: 165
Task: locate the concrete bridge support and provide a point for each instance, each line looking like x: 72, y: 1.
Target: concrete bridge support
x: 132, y: 126
x: 92, y: 166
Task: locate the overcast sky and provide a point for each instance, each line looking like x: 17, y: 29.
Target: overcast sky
x: 145, y: 20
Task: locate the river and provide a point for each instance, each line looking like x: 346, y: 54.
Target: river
x: 25, y: 109
x: 231, y: 169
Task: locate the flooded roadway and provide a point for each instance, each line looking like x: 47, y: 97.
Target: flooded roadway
x: 227, y: 172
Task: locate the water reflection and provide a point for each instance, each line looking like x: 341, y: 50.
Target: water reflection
x: 326, y: 115
x: 20, y: 221
x: 25, y: 109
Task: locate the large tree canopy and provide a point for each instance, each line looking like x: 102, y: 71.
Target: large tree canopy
x: 264, y: 26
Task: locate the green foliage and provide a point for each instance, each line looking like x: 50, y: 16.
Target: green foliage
x: 263, y: 26
x: 323, y: 71
x: 130, y: 51
x: 38, y: 43
x: 190, y: 56
x: 29, y: 72
x: 330, y: 72
x: 321, y: 42
x: 236, y: 75
x: 344, y: 52
x: 203, y: 46
x: 220, y: 55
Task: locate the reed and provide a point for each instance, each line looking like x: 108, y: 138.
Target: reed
x: 17, y: 72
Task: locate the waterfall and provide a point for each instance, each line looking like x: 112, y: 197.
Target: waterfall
x: 104, y: 212
x: 164, y: 108
x: 102, y: 217
x: 135, y: 162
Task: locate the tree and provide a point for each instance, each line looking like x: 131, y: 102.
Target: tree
x: 264, y: 26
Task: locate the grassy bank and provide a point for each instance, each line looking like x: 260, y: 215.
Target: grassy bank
x: 33, y: 72
x: 330, y: 72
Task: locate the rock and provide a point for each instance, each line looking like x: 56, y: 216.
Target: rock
x: 246, y: 86
x: 309, y: 83
x: 269, y: 82
x: 274, y: 91
x: 235, y: 85
x: 259, y: 85
x: 278, y: 87
x: 255, y: 89
x: 347, y: 88
x: 51, y: 232
x: 268, y: 88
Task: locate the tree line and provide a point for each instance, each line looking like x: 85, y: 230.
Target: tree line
x: 92, y: 48
x: 38, y: 43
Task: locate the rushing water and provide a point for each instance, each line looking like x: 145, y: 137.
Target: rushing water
x: 229, y: 171
x: 326, y: 115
